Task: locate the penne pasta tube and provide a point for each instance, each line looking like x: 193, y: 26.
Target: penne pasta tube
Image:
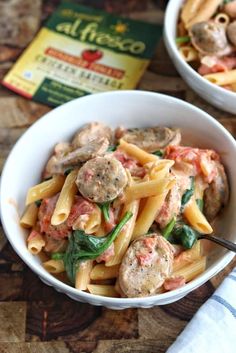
x: 188, y: 53
x: 159, y: 169
x: 222, y: 19
x: 122, y: 241
x: 233, y: 86
x: 206, y: 10
x: 105, y: 290
x: 199, y: 187
x: 196, y: 218
x: 29, y: 217
x: 142, y: 156
x: 188, y: 256
x: 222, y: 78
x: 65, y: 200
x: 148, y: 188
x: 36, y: 244
x: 45, y: 189
x: 101, y: 272
x: 191, y: 271
x: 94, y: 222
x: 54, y: 266
x: 82, y: 277
x: 189, y: 10
x: 148, y: 214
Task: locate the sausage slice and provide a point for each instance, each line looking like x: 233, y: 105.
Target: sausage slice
x: 153, y: 138
x: 145, y: 266
x: 209, y: 38
x: 217, y: 194
x: 81, y: 154
x: 89, y: 132
x: 101, y: 179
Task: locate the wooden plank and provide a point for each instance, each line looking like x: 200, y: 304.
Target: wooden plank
x: 12, y: 319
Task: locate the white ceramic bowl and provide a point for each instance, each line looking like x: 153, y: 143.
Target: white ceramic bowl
x: 131, y: 109
x: 217, y: 96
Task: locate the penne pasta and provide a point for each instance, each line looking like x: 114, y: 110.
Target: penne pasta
x: 205, y: 11
x: 148, y: 214
x: 148, y: 188
x: 105, y: 290
x: 65, y: 200
x: 196, y: 218
x: 36, y: 244
x: 82, y: 277
x: 222, y: 19
x: 189, y: 10
x: 222, y: 78
x: 199, y: 187
x: 101, y: 272
x: 122, y: 241
x: 45, y: 189
x: 54, y: 266
x: 159, y: 169
x: 188, y: 53
x: 136, y: 152
x: 188, y: 256
x: 94, y: 222
x: 191, y: 271
x: 29, y: 217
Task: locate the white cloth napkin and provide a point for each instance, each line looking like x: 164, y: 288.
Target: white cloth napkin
x: 213, y: 327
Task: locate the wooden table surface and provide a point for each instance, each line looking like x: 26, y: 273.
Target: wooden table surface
x: 33, y: 316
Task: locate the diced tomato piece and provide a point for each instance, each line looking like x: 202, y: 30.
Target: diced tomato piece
x: 33, y: 234
x: 202, y: 160
x: 174, y: 283
x: 130, y: 163
x: 221, y: 65
x: 80, y: 207
x: 149, y: 243
x: 45, y: 214
x: 107, y: 254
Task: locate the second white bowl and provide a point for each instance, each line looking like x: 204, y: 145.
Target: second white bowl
x: 217, y: 96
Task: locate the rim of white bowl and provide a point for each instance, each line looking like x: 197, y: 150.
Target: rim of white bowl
x: 97, y: 299
x: 171, y: 42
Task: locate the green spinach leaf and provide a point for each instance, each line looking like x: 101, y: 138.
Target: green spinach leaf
x: 105, y: 208
x: 200, y: 204
x: 168, y: 228
x: 83, y: 247
x: 188, y: 193
x: 158, y: 153
x: 181, y: 40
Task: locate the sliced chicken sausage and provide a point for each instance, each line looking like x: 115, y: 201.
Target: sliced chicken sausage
x: 209, y: 38
x: 231, y: 32
x: 101, y: 179
x: 217, y: 194
x: 89, y: 132
x: 82, y: 154
x: 153, y: 138
x: 145, y: 266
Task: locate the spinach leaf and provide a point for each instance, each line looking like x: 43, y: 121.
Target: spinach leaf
x: 158, y: 153
x: 188, y: 193
x: 200, y: 204
x: 112, y: 148
x: 83, y: 247
x: 105, y: 208
x: 168, y: 228
x: 181, y: 40
x: 38, y: 202
x: 185, y: 235
x: 57, y: 256
x: 68, y: 170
